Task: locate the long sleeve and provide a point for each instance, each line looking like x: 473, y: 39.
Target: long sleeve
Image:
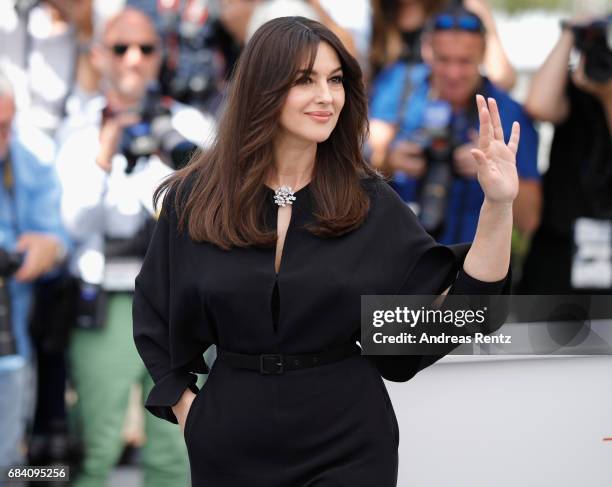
x: 84, y: 185
x: 37, y: 190
x: 156, y: 331
x: 438, y: 268
x: 41, y: 196
x: 435, y: 269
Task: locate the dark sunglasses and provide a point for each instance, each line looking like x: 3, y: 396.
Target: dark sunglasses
x: 466, y: 22
x: 121, y: 49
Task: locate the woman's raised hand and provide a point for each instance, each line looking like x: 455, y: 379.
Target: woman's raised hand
x: 497, y: 173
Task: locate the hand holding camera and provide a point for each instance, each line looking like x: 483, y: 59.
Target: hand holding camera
x: 42, y: 253
x: 464, y: 163
x: 594, y: 41
x: 407, y: 157
x: 143, y: 131
x: 111, y: 132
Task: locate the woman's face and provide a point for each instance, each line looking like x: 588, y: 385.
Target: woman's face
x: 314, y: 102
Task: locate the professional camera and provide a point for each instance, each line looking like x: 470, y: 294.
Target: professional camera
x: 594, y: 40
x: 154, y: 133
x: 190, y: 70
x: 9, y: 263
x: 437, y: 140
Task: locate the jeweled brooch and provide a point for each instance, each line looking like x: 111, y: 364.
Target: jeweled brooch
x: 284, y: 196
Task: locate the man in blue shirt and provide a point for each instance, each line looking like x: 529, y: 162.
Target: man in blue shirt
x: 427, y: 113
x: 30, y: 225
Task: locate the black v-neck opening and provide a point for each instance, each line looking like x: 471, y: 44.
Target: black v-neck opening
x: 275, y: 306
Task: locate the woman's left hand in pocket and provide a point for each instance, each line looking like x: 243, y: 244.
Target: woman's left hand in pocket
x: 182, y: 407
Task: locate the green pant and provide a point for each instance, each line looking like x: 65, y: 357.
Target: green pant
x: 105, y: 364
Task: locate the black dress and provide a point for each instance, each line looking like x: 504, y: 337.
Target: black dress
x: 331, y: 425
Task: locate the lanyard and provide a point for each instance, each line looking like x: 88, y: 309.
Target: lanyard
x: 8, y: 183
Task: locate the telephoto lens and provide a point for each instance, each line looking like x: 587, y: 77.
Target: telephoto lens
x: 9, y: 263
x: 437, y: 181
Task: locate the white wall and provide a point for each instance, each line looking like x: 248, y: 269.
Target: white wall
x: 507, y: 423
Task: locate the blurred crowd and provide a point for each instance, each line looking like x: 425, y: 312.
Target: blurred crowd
x: 100, y: 100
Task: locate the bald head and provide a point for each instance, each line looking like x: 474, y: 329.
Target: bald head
x: 128, y: 19
x: 128, y: 55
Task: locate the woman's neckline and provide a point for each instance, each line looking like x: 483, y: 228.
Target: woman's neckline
x: 272, y: 190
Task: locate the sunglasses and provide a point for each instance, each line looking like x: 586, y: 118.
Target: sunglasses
x: 121, y: 49
x: 466, y: 22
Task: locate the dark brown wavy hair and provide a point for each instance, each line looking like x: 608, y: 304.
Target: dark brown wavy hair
x: 220, y: 195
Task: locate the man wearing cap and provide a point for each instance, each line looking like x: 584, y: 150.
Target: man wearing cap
x: 431, y: 111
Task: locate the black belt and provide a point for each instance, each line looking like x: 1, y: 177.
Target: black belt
x: 276, y: 363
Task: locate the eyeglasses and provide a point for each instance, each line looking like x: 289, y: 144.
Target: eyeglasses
x: 122, y: 49
x: 466, y: 22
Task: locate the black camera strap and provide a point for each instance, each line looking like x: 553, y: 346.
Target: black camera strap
x: 8, y: 183
x: 8, y: 345
x: 407, y: 91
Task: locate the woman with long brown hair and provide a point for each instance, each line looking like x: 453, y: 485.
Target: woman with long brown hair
x: 264, y: 247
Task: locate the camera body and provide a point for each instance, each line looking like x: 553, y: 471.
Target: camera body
x: 193, y: 79
x: 154, y: 133
x: 437, y: 140
x: 9, y: 263
x: 190, y: 69
x: 594, y: 41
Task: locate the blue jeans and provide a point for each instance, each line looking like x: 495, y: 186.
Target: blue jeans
x: 16, y: 394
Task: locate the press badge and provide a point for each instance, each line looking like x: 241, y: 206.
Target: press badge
x: 592, y: 258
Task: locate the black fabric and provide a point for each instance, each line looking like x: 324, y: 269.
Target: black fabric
x: 579, y: 176
x: 577, y: 184
x: 53, y: 312
x: 411, y: 46
x: 327, y: 425
x: 279, y: 364
x: 442, y: 264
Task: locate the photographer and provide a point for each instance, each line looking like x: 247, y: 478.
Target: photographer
x: 31, y: 244
x: 430, y: 115
x: 109, y: 170
x: 397, y: 29
x: 570, y: 251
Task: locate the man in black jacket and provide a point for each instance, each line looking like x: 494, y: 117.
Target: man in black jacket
x: 571, y: 250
